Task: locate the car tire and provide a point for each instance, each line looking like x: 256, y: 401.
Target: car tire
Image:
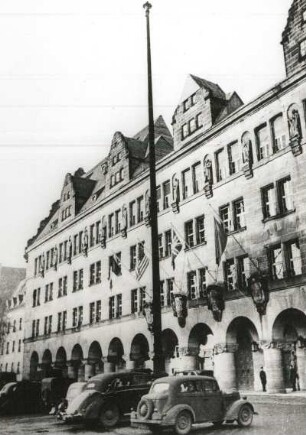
x: 183, y: 423
x: 144, y: 409
x: 245, y: 416
x: 109, y: 415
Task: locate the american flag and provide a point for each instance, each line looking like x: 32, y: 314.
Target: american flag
x: 176, y: 247
x: 141, y: 266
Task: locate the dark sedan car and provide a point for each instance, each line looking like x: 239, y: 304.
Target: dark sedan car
x: 179, y: 401
x: 20, y: 397
x: 108, y: 398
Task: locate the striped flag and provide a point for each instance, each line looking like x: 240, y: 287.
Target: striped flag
x: 141, y: 266
x: 176, y: 247
x: 220, y: 238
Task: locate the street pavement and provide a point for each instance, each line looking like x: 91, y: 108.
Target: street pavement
x: 278, y: 415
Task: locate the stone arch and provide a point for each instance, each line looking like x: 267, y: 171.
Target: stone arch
x: 61, y: 360
x: 76, y: 366
x: 115, y: 354
x: 34, y: 362
x: 46, y: 363
x: 169, y: 346
x: 94, y: 364
x: 139, y: 350
x: 198, y: 343
x: 289, y: 332
x: 242, y: 340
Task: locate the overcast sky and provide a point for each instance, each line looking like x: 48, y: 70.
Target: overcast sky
x: 72, y: 72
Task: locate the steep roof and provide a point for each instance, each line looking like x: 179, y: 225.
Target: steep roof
x: 160, y: 129
x: 211, y: 87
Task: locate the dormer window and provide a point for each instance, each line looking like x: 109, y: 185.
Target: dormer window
x: 189, y: 102
x: 303, y: 49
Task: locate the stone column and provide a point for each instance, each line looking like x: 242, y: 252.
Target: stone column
x: 301, y: 366
x: 274, y: 370
x: 89, y: 370
x: 71, y: 371
x: 109, y: 367
x: 81, y: 371
x: 224, y: 368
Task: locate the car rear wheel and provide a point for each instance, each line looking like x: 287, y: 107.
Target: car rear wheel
x: 183, y: 423
x: 245, y: 416
x: 109, y: 415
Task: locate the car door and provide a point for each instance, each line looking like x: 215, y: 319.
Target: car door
x: 213, y: 402
x: 191, y: 393
x: 140, y: 385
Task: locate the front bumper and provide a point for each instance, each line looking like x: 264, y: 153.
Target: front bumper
x: 72, y: 418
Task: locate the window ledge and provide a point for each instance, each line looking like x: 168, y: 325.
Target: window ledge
x: 230, y: 233
x: 278, y: 216
x: 195, y: 246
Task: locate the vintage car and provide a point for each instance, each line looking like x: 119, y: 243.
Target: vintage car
x: 20, y: 397
x: 193, y: 372
x: 109, y: 398
x: 74, y: 390
x: 53, y: 390
x: 178, y: 402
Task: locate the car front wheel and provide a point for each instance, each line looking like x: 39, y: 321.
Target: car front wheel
x: 109, y: 415
x: 183, y: 423
x: 245, y: 416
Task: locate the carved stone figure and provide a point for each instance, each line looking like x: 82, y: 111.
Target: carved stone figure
x: 85, y: 243
x: 246, y: 149
x: 55, y: 257
x: 179, y: 306
x: 208, y: 174
x: 103, y: 232
x: 147, y: 208
x: 42, y: 265
x: 215, y: 301
x: 148, y: 313
x: 294, y: 124
x: 175, y: 189
x: 123, y: 221
x: 69, y: 256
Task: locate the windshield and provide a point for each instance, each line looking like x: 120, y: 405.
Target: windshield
x: 160, y: 387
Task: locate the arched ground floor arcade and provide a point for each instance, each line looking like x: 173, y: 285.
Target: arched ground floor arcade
x: 235, y: 349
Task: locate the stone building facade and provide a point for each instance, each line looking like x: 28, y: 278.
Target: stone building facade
x: 88, y: 276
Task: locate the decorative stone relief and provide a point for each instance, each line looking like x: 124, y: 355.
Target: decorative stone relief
x: 179, y: 306
x: 215, y: 300
x: 247, y: 154
x: 124, y: 221
x: 295, y: 129
x: 208, y: 177
x: 258, y: 288
x: 175, y: 194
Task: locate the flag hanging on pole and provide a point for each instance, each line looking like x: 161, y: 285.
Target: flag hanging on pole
x: 141, y: 266
x: 220, y: 238
x: 176, y: 247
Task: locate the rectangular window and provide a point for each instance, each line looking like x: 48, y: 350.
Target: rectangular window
x: 111, y: 225
x: 92, y: 274
x: 243, y: 272
x: 170, y: 297
x: 60, y: 288
x: 166, y: 194
x: 230, y: 274
x: 192, y: 284
x: 74, y: 317
x: 133, y: 257
x: 60, y: 256
x: 117, y: 221
x: 278, y: 133
x: 200, y: 230
x: 98, y: 311
x: 140, y: 209
x: 98, y: 231
x: 162, y: 294
x: 225, y: 217
x: 158, y: 198
x: 303, y: 49
x: 112, y: 307
x: 189, y: 236
x: 132, y: 213
x: 142, y: 296
x: 49, y: 325
x: 186, y: 104
x: 221, y: 164
x: 202, y: 283
x: 134, y: 301
x: 186, y: 181
x: 64, y: 320
x: 234, y: 156
x: 119, y: 306
x: 92, y: 313
x: 65, y: 250
x: 37, y: 328
x: 285, y: 195
x: 197, y: 177
x: 262, y: 142
x: 78, y: 280
x: 75, y: 244
x: 160, y: 246
x: 168, y: 241
x: 59, y: 322
x: 239, y: 218
x: 65, y: 286
x: 92, y: 235
x: 293, y: 258
x: 185, y: 131
x: 80, y: 241
x: 276, y: 262
x: 268, y: 201
x: 80, y: 317
x: 192, y: 125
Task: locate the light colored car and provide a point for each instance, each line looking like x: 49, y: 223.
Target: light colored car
x: 73, y: 391
x: 178, y: 402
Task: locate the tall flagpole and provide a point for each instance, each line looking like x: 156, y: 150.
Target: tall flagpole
x: 158, y: 359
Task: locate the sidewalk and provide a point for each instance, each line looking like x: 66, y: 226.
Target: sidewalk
x: 288, y: 396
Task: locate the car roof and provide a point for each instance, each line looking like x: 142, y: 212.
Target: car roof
x: 104, y: 376
x: 179, y: 379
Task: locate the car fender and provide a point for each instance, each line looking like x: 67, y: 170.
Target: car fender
x: 233, y: 410
x: 93, y: 408
x: 171, y: 415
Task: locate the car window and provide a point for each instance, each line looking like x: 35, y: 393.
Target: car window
x: 141, y: 379
x: 190, y: 387
x: 210, y: 386
x: 161, y: 387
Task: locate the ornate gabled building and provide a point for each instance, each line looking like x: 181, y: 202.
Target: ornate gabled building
x: 232, y: 242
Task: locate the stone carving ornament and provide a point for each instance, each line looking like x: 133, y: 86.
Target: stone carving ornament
x: 295, y: 129
x: 215, y: 300
x: 69, y: 256
x: 258, y: 288
x: 175, y: 193
x: 124, y: 221
x: 179, y: 306
x: 103, y: 232
x: 85, y: 242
